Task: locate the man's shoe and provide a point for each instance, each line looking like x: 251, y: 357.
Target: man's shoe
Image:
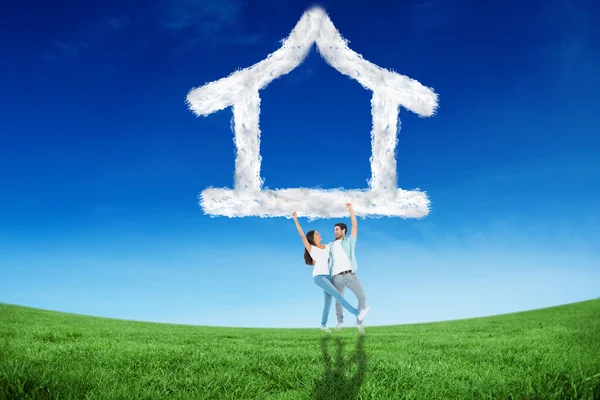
x: 363, y: 314
x: 326, y: 329
x: 361, y: 329
x: 339, y: 326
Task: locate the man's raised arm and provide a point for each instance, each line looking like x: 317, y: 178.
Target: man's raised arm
x: 354, y: 229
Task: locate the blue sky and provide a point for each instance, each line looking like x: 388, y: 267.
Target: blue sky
x: 101, y: 162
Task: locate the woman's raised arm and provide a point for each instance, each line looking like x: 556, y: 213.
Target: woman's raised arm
x: 301, y: 232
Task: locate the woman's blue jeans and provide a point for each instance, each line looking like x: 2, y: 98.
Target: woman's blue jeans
x: 324, y: 282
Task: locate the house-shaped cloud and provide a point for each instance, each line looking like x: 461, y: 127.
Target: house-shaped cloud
x: 240, y: 90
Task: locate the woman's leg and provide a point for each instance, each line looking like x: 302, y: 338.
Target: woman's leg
x: 324, y: 282
x: 326, y: 308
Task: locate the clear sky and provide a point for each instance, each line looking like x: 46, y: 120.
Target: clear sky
x: 101, y: 162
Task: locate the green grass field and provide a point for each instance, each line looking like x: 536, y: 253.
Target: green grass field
x: 553, y: 353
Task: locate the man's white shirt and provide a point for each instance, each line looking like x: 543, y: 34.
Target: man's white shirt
x: 341, y: 262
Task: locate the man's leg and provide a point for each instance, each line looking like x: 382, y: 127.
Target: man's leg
x: 340, y: 284
x: 356, y: 287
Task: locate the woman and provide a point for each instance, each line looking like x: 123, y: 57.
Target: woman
x: 317, y: 254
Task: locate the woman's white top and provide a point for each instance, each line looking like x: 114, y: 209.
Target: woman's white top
x: 321, y: 256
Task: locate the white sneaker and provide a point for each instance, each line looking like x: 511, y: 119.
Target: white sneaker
x: 361, y: 329
x: 363, y: 314
x: 326, y: 329
x: 339, y: 326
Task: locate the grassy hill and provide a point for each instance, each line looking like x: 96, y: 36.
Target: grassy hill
x: 551, y: 353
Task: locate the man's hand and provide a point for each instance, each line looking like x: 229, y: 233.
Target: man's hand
x: 294, y: 215
x: 349, y: 206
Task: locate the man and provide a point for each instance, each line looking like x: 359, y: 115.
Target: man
x: 342, y: 262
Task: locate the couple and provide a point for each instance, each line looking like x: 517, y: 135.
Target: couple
x: 334, y: 269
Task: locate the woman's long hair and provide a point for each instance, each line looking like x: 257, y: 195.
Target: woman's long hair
x: 310, y: 236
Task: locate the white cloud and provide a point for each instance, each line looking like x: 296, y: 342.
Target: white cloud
x: 241, y: 90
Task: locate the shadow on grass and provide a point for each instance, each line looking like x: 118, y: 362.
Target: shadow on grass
x: 343, y: 379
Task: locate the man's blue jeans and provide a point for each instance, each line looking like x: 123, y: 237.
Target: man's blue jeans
x: 324, y: 282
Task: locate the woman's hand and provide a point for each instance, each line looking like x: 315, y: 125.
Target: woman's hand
x: 294, y: 215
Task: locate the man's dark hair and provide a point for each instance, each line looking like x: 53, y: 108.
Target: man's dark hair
x: 342, y: 227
